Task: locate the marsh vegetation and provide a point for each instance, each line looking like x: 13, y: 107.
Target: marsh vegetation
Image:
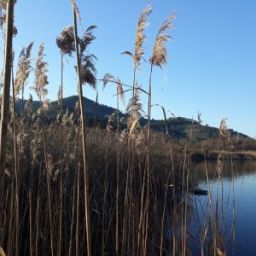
x: 69, y: 188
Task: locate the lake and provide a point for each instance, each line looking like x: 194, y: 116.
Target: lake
x: 229, y: 208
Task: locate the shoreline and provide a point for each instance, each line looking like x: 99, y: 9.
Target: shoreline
x: 199, y: 156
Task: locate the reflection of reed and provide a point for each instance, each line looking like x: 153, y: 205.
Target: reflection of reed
x: 201, y: 231
x: 231, y: 170
x: 209, y: 223
x: 234, y: 210
x: 176, y: 229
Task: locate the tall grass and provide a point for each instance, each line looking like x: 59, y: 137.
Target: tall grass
x: 71, y: 189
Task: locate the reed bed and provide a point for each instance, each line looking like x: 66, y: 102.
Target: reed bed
x: 50, y: 188
x: 71, y: 189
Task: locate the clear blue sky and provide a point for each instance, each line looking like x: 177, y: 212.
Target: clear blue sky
x: 212, y: 59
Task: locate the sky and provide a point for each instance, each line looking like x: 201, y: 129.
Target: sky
x: 211, y: 65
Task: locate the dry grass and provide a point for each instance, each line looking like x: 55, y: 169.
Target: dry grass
x: 24, y: 68
x: 74, y: 190
x: 49, y: 161
x: 159, y: 56
x: 41, y: 78
x: 140, y: 36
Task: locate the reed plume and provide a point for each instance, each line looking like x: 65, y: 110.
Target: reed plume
x: 134, y: 109
x: 158, y: 58
x: 41, y: 78
x: 87, y: 66
x: 140, y: 36
x: 108, y: 78
x: 120, y: 90
x: 87, y: 38
x: 24, y: 68
x: 135, y: 104
x: 159, y: 55
x: 223, y: 129
x: 65, y: 41
x: 88, y: 71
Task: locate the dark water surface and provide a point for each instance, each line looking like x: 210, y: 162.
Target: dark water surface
x: 232, y: 204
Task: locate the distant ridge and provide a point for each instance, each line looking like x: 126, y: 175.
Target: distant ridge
x: 92, y: 108
x: 179, y: 127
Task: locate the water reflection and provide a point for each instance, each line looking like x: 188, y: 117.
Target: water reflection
x: 232, y: 205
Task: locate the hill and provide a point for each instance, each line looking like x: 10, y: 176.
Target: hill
x: 179, y: 128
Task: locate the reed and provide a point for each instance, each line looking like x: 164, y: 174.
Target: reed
x: 112, y: 188
x: 5, y: 103
x: 41, y: 78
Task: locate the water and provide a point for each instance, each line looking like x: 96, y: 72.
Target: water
x: 233, y: 206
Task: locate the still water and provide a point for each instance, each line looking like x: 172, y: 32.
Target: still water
x: 232, y: 204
